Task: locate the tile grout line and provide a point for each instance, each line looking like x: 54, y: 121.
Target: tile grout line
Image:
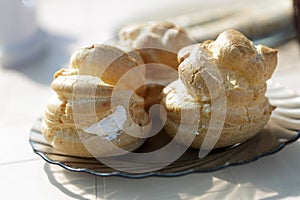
x: 19, y: 161
x: 232, y: 176
x: 104, y: 187
x: 96, y: 186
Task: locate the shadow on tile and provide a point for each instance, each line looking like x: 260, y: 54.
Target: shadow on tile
x: 201, y: 186
x: 276, y: 176
x: 74, y: 184
x: 53, y: 56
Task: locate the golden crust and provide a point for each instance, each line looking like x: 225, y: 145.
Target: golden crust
x: 233, y: 51
x: 76, y: 142
x: 65, y: 129
x: 109, y: 63
x: 229, y: 136
x: 92, y: 94
x: 81, y: 86
x: 236, y: 52
x: 94, y: 91
x: 231, y: 63
x: 157, y: 42
x: 230, y: 68
x: 241, y: 123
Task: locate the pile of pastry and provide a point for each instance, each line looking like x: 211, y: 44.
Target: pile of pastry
x: 211, y: 91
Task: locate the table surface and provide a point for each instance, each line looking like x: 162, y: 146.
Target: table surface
x: 25, y: 92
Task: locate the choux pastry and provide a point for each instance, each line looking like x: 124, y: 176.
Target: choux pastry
x: 230, y: 66
x: 158, y: 44
x: 88, y: 115
x: 100, y: 106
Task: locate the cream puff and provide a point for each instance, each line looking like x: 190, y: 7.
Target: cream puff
x: 88, y: 115
x: 230, y: 68
x: 158, y: 44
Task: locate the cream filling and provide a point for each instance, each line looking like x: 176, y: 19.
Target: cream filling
x: 109, y: 127
x: 206, y: 108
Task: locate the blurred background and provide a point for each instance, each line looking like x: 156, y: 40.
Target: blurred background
x: 37, y: 37
x: 42, y: 34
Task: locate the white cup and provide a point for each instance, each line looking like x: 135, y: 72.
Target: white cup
x: 20, y: 38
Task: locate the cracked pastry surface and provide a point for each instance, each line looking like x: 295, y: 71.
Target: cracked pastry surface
x: 241, y: 123
x: 158, y: 44
x: 87, y: 115
x: 230, y: 67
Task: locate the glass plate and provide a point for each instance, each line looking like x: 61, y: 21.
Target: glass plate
x: 268, y: 141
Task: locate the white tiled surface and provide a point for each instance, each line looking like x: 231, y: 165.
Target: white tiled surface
x: 25, y: 91
x: 275, y: 176
x: 37, y: 180
x: 185, y: 187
